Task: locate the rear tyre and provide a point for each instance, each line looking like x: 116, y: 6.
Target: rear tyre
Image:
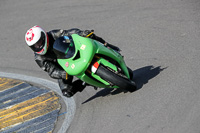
x: 115, y: 79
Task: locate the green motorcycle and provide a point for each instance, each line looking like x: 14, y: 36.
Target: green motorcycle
x: 93, y: 63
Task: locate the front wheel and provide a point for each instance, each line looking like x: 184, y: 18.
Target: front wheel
x: 115, y: 79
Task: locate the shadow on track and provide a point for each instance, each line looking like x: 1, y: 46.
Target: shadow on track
x: 141, y: 76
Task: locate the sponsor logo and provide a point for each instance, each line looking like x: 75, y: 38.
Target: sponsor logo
x: 67, y: 64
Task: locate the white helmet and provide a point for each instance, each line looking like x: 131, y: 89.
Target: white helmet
x: 37, y: 39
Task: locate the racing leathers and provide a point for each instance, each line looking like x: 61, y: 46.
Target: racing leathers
x: 48, y: 62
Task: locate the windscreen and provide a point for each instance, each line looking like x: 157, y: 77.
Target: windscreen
x: 64, y: 47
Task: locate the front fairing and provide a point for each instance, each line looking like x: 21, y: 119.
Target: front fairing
x: 83, y: 54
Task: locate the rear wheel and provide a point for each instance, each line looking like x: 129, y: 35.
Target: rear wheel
x: 116, y: 79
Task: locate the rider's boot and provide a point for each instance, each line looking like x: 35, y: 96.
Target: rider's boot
x: 73, y: 88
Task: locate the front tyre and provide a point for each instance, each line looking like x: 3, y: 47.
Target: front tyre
x: 115, y: 79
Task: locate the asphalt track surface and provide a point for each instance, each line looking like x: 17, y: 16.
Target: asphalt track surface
x: 160, y: 42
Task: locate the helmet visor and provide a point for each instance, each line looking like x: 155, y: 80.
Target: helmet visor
x: 39, y: 45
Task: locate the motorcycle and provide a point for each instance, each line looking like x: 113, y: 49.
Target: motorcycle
x: 93, y: 63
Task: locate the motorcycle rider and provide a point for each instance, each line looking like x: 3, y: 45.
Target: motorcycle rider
x: 41, y: 43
